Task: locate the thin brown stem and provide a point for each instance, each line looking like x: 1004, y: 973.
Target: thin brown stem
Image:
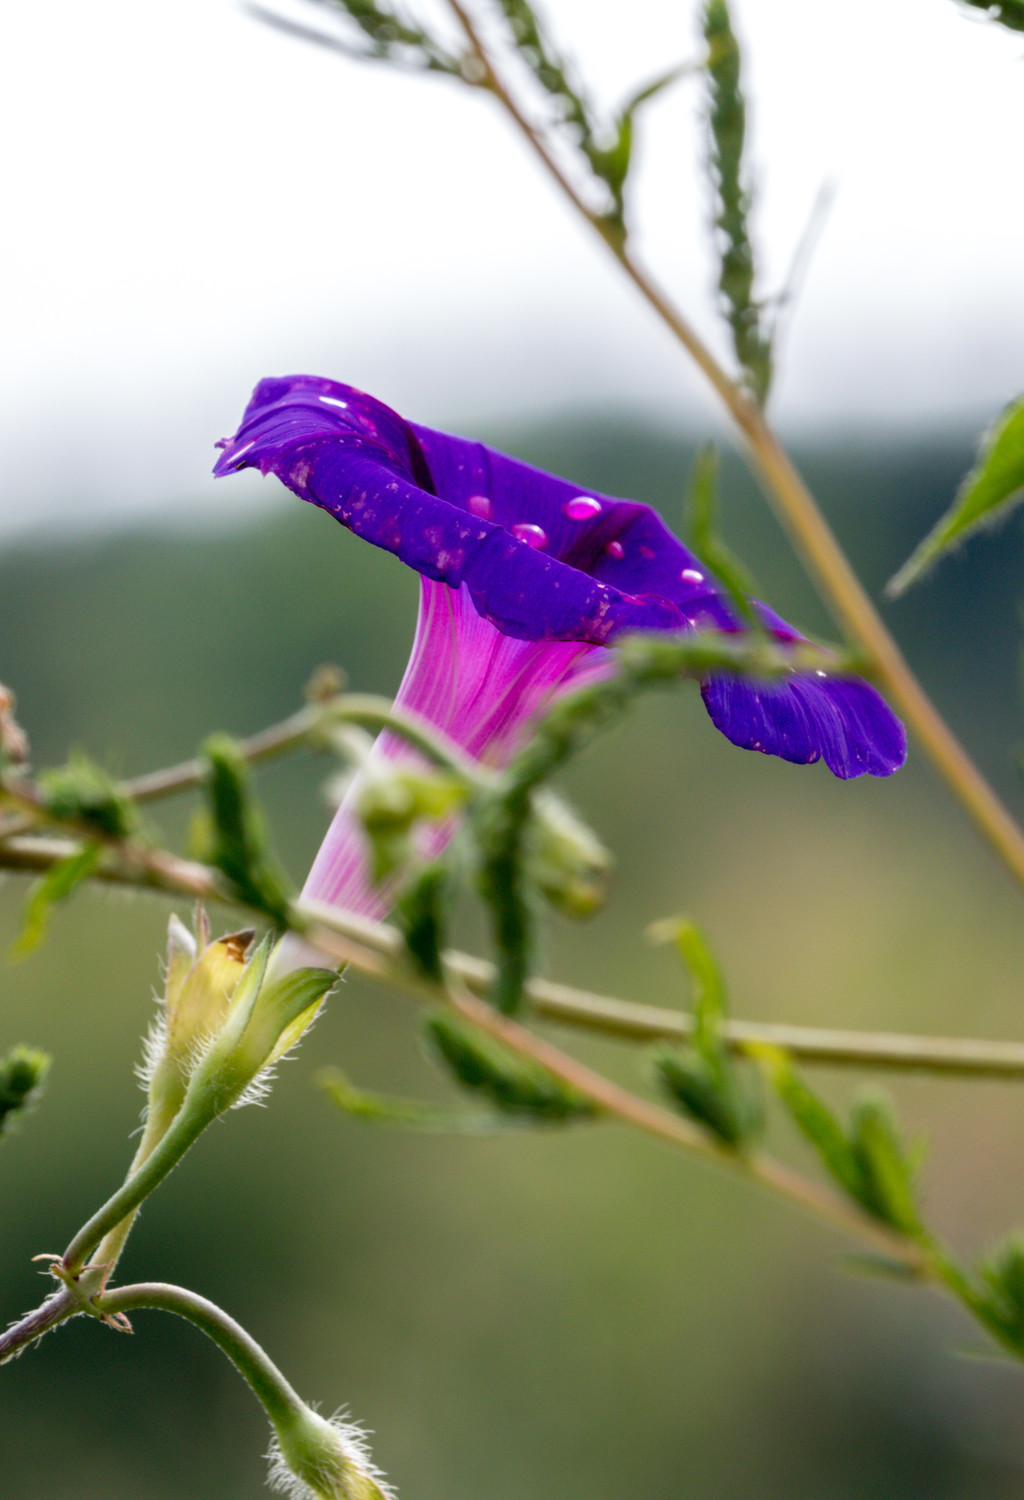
x: 376, y: 948
x: 813, y: 538
x: 618, y: 1102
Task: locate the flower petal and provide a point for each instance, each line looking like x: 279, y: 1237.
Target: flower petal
x: 410, y: 490
x: 540, y: 560
x: 840, y: 720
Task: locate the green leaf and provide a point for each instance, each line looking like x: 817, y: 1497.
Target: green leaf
x: 886, y: 1172
x: 704, y: 1081
x: 81, y: 792
x: 989, y: 491
x: 422, y: 914
x: 710, y: 1091
x: 238, y: 844
x: 56, y: 885
x: 1003, y: 1276
x: 701, y: 513
x: 726, y: 167
x: 22, y: 1073
x: 814, y: 1120
x: 403, y: 1114
x: 514, y: 1085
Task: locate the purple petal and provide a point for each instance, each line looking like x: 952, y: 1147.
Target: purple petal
x: 840, y: 720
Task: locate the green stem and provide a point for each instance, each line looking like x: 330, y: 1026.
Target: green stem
x: 366, y: 709
x: 157, y: 1125
x: 377, y: 949
x: 275, y: 1395
x: 164, y: 1157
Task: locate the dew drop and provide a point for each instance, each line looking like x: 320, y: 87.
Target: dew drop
x: 820, y: 673
x: 480, y: 506
x: 582, y: 508
x: 615, y: 549
x: 692, y: 575
x: 334, y: 401
x: 533, y: 536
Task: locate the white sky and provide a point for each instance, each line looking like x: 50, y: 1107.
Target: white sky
x: 192, y: 201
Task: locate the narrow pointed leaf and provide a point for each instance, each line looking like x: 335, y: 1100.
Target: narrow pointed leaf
x: 988, y: 493
x: 56, y: 885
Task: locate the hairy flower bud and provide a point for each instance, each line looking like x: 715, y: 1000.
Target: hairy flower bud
x: 312, y: 1458
x: 201, y: 979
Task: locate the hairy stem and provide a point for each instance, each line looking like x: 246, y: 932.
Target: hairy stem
x: 55, y: 1310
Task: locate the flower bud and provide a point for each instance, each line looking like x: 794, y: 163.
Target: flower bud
x: 263, y: 1020
x: 392, y: 798
x: 312, y: 1458
x: 201, y: 979
x: 567, y: 859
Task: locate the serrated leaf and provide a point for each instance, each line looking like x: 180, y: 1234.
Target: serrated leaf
x: 512, y: 1084
x: 56, y: 885
x: 814, y: 1120
x: 421, y: 915
x: 402, y: 1114
x: 238, y: 841
x: 888, y: 1180
x: 994, y: 485
x: 709, y: 1091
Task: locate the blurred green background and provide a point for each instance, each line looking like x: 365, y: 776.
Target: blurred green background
x: 529, y: 1314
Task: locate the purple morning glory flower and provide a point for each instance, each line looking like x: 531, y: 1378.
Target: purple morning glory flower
x: 526, y: 581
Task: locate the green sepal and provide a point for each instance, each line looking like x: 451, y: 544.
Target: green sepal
x: 238, y: 845
x: 82, y: 793
x: 263, y: 1021
x: 60, y: 880
x: 22, y: 1074
x: 992, y: 488
x: 514, y: 1085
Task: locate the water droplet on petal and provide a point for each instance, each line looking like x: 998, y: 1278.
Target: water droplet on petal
x: 334, y: 401
x: 480, y: 506
x: 533, y: 536
x: 615, y: 549
x: 692, y: 575
x: 820, y: 673
x: 582, y: 508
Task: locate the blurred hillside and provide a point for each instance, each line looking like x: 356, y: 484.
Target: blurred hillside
x: 525, y: 1316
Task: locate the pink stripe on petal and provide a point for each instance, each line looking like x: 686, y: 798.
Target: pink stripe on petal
x: 482, y: 689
